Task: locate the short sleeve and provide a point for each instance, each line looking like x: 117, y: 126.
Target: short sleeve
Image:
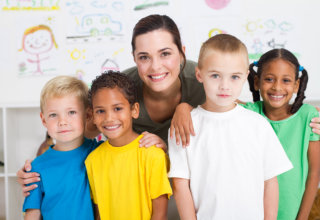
x: 91, y: 180
x: 159, y: 182
x: 34, y: 200
x: 274, y: 157
x: 179, y: 167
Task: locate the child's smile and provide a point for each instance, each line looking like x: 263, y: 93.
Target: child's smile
x: 277, y: 84
x: 113, y: 115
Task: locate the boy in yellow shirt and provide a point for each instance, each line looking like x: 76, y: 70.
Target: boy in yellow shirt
x: 126, y: 181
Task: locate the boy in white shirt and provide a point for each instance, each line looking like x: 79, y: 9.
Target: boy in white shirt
x: 229, y: 169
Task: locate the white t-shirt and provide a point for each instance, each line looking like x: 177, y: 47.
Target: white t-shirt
x: 227, y: 162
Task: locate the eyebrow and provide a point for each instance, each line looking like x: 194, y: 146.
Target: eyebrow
x: 161, y: 50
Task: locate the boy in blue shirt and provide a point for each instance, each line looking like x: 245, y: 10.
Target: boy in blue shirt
x: 63, y: 191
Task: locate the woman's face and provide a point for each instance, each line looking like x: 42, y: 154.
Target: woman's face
x: 158, y: 59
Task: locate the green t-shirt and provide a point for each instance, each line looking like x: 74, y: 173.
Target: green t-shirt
x: 192, y: 92
x: 294, y: 134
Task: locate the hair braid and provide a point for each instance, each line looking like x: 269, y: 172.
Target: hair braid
x: 252, y: 74
x: 300, y: 95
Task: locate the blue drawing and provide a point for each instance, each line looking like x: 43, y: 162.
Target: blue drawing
x: 99, y: 3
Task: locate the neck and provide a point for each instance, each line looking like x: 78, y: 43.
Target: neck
x: 277, y: 114
x: 68, y: 146
x: 124, y: 139
x: 169, y: 93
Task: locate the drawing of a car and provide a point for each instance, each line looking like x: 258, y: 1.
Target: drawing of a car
x: 100, y: 24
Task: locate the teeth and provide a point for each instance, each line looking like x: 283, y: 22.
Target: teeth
x: 277, y: 96
x: 112, y: 127
x: 158, y: 76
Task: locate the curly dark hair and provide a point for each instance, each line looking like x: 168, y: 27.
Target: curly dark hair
x: 112, y: 79
x: 287, y: 56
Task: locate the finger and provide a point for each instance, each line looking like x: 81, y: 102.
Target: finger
x: 183, y: 136
x: 25, y: 194
x: 27, y: 165
x: 177, y: 134
x: 317, y: 120
x: 315, y: 130
x: 27, y: 189
x: 30, y: 180
x: 149, y: 141
x: 318, y: 108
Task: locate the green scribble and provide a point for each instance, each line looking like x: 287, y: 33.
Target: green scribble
x: 149, y: 5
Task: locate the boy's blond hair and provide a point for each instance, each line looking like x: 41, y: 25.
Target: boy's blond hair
x: 225, y: 43
x: 64, y: 85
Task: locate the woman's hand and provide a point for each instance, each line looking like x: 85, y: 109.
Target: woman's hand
x: 181, y: 124
x: 27, y: 178
x: 315, y: 123
x: 150, y: 139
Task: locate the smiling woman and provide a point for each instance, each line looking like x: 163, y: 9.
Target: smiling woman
x: 163, y: 76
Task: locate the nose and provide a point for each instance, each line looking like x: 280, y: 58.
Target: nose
x: 156, y: 64
x: 62, y: 121
x: 276, y: 85
x: 224, y: 84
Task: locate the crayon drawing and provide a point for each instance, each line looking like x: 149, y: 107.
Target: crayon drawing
x: 30, y: 5
x: 38, y: 42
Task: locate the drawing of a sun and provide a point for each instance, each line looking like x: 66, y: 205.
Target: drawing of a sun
x: 76, y: 54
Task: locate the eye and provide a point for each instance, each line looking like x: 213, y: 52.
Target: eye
x: 116, y: 109
x: 235, y: 77
x: 287, y: 80
x: 72, y: 112
x: 165, y: 54
x: 215, y: 76
x: 143, y: 57
x: 268, y: 79
x: 52, y: 115
x: 99, y: 111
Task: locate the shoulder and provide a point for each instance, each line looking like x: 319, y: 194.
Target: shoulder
x: 41, y: 160
x: 189, y: 70
x: 132, y: 72
x: 97, y: 151
x: 254, y: 106
x: 251, y: 116
x: 153, y: 153
x: 308, y: 108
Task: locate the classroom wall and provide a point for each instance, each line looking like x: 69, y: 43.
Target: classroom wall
x: 94, y: 35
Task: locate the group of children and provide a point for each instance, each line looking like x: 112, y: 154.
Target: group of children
x: 228, y: 171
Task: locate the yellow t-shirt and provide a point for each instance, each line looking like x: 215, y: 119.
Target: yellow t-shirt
x: 124, y: 180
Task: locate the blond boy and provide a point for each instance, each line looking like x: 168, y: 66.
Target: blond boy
x: 229, y: 169
x: 63, y: 191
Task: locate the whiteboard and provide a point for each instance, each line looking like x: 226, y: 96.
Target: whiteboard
x: 91, y: 36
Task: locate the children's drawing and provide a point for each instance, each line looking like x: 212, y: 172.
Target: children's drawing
x: 262, y: 35
x: 149, y: 4
x: 37, y: 42
x: 215, y: 31
x: 100, y: 21
x: 217, y: 4
x: 30, y: 5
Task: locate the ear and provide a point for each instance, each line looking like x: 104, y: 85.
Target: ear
x: 198, y: 74
x: 134, y: 58
x: 256, y: 83
x: 89, y: 113
x: 43, y: 120
x: 296, y: 86
x: 135, y: 110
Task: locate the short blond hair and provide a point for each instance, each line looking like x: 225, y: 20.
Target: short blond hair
x: 225, y: 43
x: 64, y: 85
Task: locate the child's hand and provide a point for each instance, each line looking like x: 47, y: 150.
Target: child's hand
x: 181, y: 124
x: 315, y: 123
x: 150, y: 139
x: 26, y: 178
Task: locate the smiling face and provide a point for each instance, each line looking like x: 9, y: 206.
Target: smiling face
x: 64, y: 118
x: 223, y: 75
x: 277, y: 84
x: 158, y: 60
x: 113, y: 115
x: 38, y: 42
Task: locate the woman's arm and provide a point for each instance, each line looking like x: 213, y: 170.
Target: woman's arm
x: 181, y: 124
x: 32, y: 214
x: 159, y: 208
x: 312, y: 180
x: 183, y: 197
x: 315, y: 123
x: 25, y: 178
x: 271, y: 199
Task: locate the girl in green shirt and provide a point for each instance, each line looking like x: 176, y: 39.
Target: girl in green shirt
x: 276, y: 78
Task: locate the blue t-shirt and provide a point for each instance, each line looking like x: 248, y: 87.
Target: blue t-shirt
x: 63, y: 192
